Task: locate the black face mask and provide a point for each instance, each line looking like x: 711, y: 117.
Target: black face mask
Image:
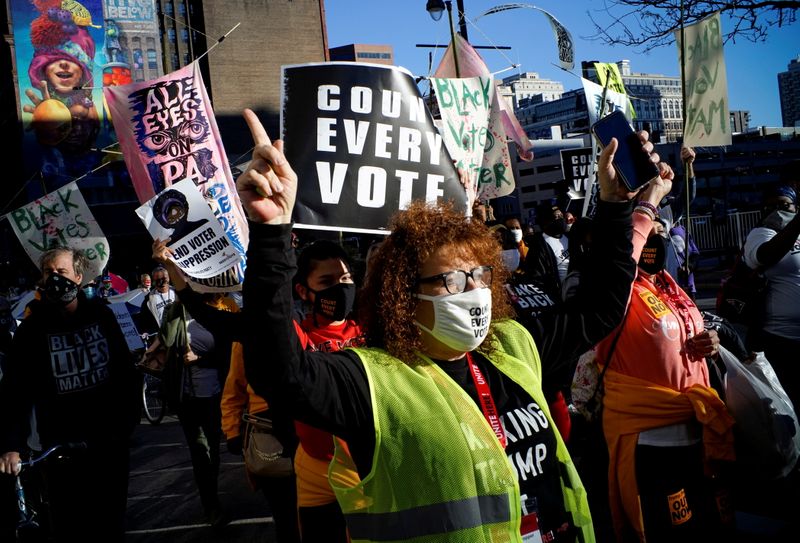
x: 654, y: 255
x: 556, y: 228
x: 335, y: 302
x: 60, y: 290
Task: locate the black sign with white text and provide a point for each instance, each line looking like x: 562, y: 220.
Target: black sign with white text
x: 363, y: 145
x: 577, y: 166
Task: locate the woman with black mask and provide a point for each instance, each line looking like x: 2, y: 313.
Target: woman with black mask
x: 325, y: 282
x: 666, y: 429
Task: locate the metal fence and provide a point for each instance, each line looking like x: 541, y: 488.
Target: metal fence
x: 726, y: 234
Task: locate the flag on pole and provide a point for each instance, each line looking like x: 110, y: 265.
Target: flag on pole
x: 497, y: 176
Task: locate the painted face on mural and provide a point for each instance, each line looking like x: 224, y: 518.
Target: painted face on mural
x: 63, y: 75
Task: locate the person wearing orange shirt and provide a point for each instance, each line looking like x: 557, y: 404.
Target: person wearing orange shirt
x: 663, y: 424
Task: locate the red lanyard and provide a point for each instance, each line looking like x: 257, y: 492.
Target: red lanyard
x: 486, y: 401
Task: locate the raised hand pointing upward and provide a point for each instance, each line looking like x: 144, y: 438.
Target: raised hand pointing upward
x: 269, y: 186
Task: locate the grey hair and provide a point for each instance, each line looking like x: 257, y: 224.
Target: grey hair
x: 78, y: 258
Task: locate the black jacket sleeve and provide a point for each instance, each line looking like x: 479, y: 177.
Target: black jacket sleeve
x: 16, y: 393
x: 597, y: 307
x: 327, y: 390
x: 226, y: 326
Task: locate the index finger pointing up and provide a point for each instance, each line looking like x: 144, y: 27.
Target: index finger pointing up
x: 256, y: 128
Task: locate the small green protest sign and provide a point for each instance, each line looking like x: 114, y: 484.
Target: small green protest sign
x: 465, y: 105
x: 707, y: 115
x: 61, y: 219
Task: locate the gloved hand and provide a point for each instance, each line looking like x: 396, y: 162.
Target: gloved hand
x: 235, y: 445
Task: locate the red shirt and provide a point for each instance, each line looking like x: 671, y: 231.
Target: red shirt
x: 317, y: 443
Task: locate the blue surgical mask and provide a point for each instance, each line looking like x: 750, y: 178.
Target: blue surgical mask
x: 89, y: 292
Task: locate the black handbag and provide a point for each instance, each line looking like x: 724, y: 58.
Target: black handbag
x: 263, y: 452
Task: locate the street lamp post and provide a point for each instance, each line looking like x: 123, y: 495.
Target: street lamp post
x: 435, y: 9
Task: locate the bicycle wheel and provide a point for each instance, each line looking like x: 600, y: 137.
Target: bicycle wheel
x: 153, y: 399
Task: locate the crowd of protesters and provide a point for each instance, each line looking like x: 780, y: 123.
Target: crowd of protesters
x: 432, y: 402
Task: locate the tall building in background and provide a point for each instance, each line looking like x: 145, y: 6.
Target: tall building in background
x: 360, y: 52
x: 789, y: 89
x: 740, y: 121
x: 528, y: 87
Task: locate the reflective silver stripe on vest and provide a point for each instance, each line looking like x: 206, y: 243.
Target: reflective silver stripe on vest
x: 429, y: 519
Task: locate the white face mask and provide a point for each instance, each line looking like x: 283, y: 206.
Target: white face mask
x: 511, y: 259
x: 461, y: 321
x: 517, y: 234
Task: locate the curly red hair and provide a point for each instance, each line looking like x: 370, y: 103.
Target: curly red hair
x: 387, y: 304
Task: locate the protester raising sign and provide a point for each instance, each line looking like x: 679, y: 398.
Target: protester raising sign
x: 363, y: 145
x: 168, y: 133
x: 707, y: 117
x: 199, y: 245
x: 61, y: 219
x: 464, y: 105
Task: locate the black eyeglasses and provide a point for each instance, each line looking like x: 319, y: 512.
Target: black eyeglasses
x: 455, y: 281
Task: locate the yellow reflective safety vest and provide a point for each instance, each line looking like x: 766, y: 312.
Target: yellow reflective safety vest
x: 439, y: 473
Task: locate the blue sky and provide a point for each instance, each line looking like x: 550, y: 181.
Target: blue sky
x: 752, y: 67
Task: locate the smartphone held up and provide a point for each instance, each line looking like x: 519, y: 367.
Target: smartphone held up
x: 631, y: 161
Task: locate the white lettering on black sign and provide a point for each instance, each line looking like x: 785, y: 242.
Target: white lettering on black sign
x: 363, y: 144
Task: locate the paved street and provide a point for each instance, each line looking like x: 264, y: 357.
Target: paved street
x: 163, y: 505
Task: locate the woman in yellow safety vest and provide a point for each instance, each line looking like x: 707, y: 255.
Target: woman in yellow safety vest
x: 443, y: 416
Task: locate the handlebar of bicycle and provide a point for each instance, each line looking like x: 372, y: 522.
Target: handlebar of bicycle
x: 78, y: 446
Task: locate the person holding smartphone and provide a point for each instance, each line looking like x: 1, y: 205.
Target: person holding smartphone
x: 664, y: 425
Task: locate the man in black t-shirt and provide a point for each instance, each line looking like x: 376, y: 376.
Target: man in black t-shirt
x: 70, y: 361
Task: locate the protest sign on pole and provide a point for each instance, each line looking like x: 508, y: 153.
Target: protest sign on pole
x: 503, y: 124
x: 127, y: 326
x: 609, y: 77
x: 363, y: 145
x: 168, y: 133
x: 200, y: 247
x: 61, y: 218
x: 577, y: 166
x: 464, y: 105
x: 706, y: 108
x: 597, y: 101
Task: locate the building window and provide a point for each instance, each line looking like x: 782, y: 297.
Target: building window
x: 175, y: 61
x: 138, y: 61
x: 171, y: 34
x: 152, y: 59
x: 185, y: 35
x: 187, y: 59
x: 168, y: 9
x: 182, y: 9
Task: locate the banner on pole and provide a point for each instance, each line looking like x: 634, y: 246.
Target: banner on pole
x: 596, y: 102
x: 168, y: 133
x: 707, y: 110
x: 609, y: 77
x: 363, y: 145
x: 61, y: 219
x: 566, y: 51
x: 199, y: 245
x: 503, y: 124
x: 464, y: 105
